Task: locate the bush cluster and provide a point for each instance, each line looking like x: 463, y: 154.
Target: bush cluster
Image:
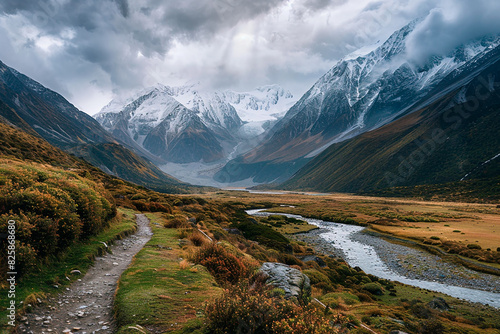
x: 243, y: 310
x: 226, y: 268
x: 473, y: 251
x: 264, y: 235
x: 52, y: 208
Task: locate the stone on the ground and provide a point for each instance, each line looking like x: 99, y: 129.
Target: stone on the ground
x: 439, y: 304
x: 290, y: 280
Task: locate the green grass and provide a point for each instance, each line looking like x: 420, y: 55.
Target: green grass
x: 79, y: 256
x: 472, y: 314
x: 156, y: 293
x: 287, y: 225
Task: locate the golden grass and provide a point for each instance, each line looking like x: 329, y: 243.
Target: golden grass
x: 485, y: 233
x: 477, y: 223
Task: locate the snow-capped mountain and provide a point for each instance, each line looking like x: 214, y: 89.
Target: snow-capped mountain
x: 187, y: 124
x: 360, y: 93
x: 407, y: 152
x: 258, y: 109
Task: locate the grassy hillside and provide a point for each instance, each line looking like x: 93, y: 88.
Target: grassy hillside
x: 112, y: 158
x: 27, y: 105
x: 484, y: 190
x: 116, y: 160
x: 442, y: 143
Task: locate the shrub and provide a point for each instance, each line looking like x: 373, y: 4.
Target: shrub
x: 241, y: 310
x: 432, y: 326
x: 373, y: 288
x: 290, y: 260
x: 224, y: 266
x: 265, y: 235
x: 53, y: 208
x: 44, y: 235
x: 473, y: 246
x: 184, y: 264
x: 421, y: 311
x: 152, y: 206
x: 197, y: 239
x: 176, y: 222
x: 316, y: 277
x: 363, y: 297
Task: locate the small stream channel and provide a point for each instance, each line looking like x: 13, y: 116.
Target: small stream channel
x: 341, y: 236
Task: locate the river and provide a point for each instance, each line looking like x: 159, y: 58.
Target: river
x: 365, y: 257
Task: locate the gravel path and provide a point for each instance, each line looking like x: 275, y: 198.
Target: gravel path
x: 87, y: 305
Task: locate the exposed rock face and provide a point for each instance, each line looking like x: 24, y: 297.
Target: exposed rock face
x: 291, y: 280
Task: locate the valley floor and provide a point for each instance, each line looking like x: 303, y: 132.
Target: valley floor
x: 462, y: 230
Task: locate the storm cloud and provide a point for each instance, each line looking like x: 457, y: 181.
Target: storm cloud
x: 452, y: 24
x: 93, y: 50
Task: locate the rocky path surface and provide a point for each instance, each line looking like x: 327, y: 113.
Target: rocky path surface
x: 87, y: 305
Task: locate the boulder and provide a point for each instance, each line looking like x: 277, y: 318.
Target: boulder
x: 290, y: 280
x: 439, y: 304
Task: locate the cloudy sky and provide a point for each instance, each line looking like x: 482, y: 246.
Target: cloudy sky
x: 92, y: 50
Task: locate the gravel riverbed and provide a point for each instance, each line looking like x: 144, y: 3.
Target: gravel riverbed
x: 410, y: 262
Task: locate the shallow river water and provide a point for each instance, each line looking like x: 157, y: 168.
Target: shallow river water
x: 365, y: 257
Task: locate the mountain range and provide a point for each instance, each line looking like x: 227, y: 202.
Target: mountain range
x: 375, y: 120
x: 452, y: 138
x: 188, y: 125
x: 360, y: 93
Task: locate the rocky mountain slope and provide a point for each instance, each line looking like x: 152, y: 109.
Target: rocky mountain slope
x: 29, y: 106
x: 454, y: 138
x: 360, y: 93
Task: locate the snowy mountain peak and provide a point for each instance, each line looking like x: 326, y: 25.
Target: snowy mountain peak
x: 360, y: 76
x: 159, y: 117
x: 362, y: 92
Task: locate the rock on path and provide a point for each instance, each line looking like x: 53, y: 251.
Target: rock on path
x: 87, y: 305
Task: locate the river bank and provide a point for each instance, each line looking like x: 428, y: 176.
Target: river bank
x: 418, y: 264
x: 397, y: 262
x: 408, y: 262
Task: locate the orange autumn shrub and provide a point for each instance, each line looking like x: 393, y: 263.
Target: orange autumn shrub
x: 243, y: 310
x: 52, y: 209
x: 224, y: 266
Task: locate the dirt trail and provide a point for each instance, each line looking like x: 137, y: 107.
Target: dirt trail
x: 87, y: 305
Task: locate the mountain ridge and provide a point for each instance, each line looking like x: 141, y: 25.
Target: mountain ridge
x: 39, y: 111
x: 456, y: 137
x: 355, y: 96
x: 194, y: 127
